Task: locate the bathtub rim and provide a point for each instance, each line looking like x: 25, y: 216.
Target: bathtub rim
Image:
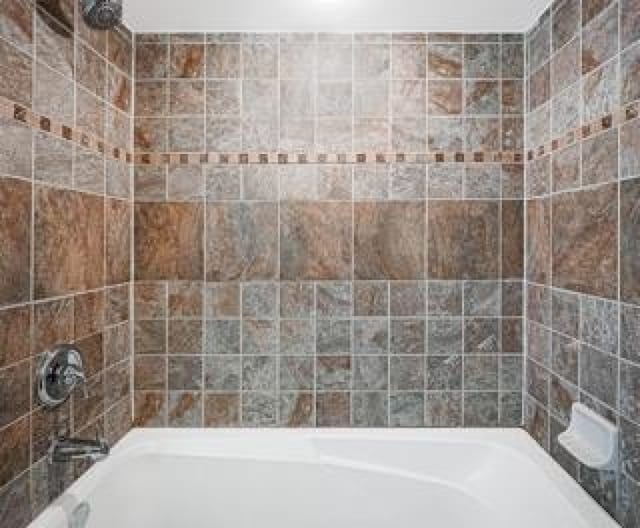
x: 193, y: 442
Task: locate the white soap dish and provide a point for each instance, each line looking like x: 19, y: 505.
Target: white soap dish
x: 590, y: 438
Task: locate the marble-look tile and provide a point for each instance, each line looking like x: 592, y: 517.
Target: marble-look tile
x: 118, y: 220
x: 59, y: 249
x: 186, y: 60
x: 333, y: 409
x: 565, y: 22
x: 512, y: 239
x: 259, y: 337
x: 15, y: 221
x: 600, y: 93
x: 370, y: 298
x: 296, y: 373
x: 480, y: 409
x: 407, y: 298
x: 389, y: 240
x: 630, y: 75
x: 444, y: 298
x: 598, y: 375
x: 482, y: 61
x: 16, y: 503
x: 482, y: 298
x: 296, y: 299
x: 445, y: 60
x: 473, y: 226
x: 297, y: 337
x: 223, y: 60
x: 630, y: 397
x: 565, y: 168
x: 150, y: 372
x: 168, y: 241
x: 444, y: 373
x: 443, y: 409
x: 184, y: 409
x: 482, y: 336
x: 184, y: 372
x: 315, y: 241
x: 630, y: 241
x: 333, y: 337
x: 15, y: 152
x: 260, y: 300
x: 15, y: 332
x: 585, y: 241
x: 406, y: 409
x: 15, y: 67
x: 630, y: 333
x: 538, y: 240
x: 600, y: 40
x: 222, y: 410
x: 242, y: 241
x: 592, y: 8
x: 150, y: 409
x: 370, y: 336
x: 599, y: 324
x: 566, y: 312
x: 222, y: 337
x: 408, y: 336
x: 565, y: 67
x: 297, y: 409
x: 370, y: 409
x: 408, y: 61
x: 629, y: 22
x: 444, y: 336
x: 513, y: 60
x: 445, y: 97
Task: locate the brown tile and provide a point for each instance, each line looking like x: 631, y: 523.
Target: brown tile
x: 565, y: 22
x: 185, y: 409
x: 185, y: 299
x: 92, y: 353
x: 118, y: 241
x: 333, y: 409
x: 120, y: 49
x: 512, y: 97
x: 54, y: 40
x: 591, y: 9
x: 600, y: 158
x: 185, y: 337
x: 149, y: 409
x: 87, y: 410
x: 150, y: 300
x: 152, y: 61
x: 15, y: 222
x: 445, y: 60
x: 630, y: 241
x: 151, y: 98
x: 222, y: 410
x: 119, y: 90
x: 150, y: 372
x: 185, y: 372
x: 69, y: 250
x: 168, y: 241
x: 16, y: 501
x: 565, y: 168
x: 223, y: 300
x: 88, y: 313
x: 242, y: 241
x: 445, y: 97
x: 14, y: 450
x: 600, y: 40
x: 53, y: 324
x: 17, y: 23
x: 15, y: 74
x: 15, y: 392
x: 512, y: 239
x: 389, y: 240
x: 187, y: 60
x: 585, y: 241
x: 538, y: 241
x: 463, y: 240
x: 315, y: 241
x: 15, y: 335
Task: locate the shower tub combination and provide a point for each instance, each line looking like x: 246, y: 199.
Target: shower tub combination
x: 330, y: 478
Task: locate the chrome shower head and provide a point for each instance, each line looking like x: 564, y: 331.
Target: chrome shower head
x: 102, y: 14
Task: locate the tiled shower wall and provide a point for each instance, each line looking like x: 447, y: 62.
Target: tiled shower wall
x: 65, y: 220
x: 583, y: 234
x: 328, y: 229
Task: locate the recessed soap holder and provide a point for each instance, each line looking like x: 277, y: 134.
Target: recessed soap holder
x: 590, y: 438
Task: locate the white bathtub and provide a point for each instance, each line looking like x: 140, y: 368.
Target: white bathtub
x: 330, y: 478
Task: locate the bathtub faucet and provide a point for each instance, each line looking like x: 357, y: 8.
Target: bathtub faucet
x: 64, y: 449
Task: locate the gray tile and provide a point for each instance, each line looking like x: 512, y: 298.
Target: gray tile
x: 407, y: 336
x: 407, y: 373
x: 598, y: 375
x: 222, y: 337
x: 406, y: 409
x: 630, y: 333
x: 370, y: 409
x: 480, y: 409
x: 259, y: 337
x: 370, y: 336
x: 444, y: 373
x: 599, y: 324
x: 444, y: 336
x: 333, y: 299
x: 408, y: 298
x: 445, y: 298
x: 260, y: 300
x: 259, y: 409
x: 443, y: 409
x: 296, y: 373
x: 258, y: 373
x: 222, y: 373
x: 333, y: 337
x: 297, y: 337
x: 370, y: 372
x: 630, y: 392
x: 481, y: 373
x: 482, y: 298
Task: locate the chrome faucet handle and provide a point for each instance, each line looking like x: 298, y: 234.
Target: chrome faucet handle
x: 61, y: 371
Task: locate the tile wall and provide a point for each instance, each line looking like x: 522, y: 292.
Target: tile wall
x: 583, y: 234
x: 326, y: 231
x: 65, y: 231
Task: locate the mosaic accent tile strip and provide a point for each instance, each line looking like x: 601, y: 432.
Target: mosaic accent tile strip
x: 18, y: 112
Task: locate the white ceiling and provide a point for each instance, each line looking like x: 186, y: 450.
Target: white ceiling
x: 332, y: 15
